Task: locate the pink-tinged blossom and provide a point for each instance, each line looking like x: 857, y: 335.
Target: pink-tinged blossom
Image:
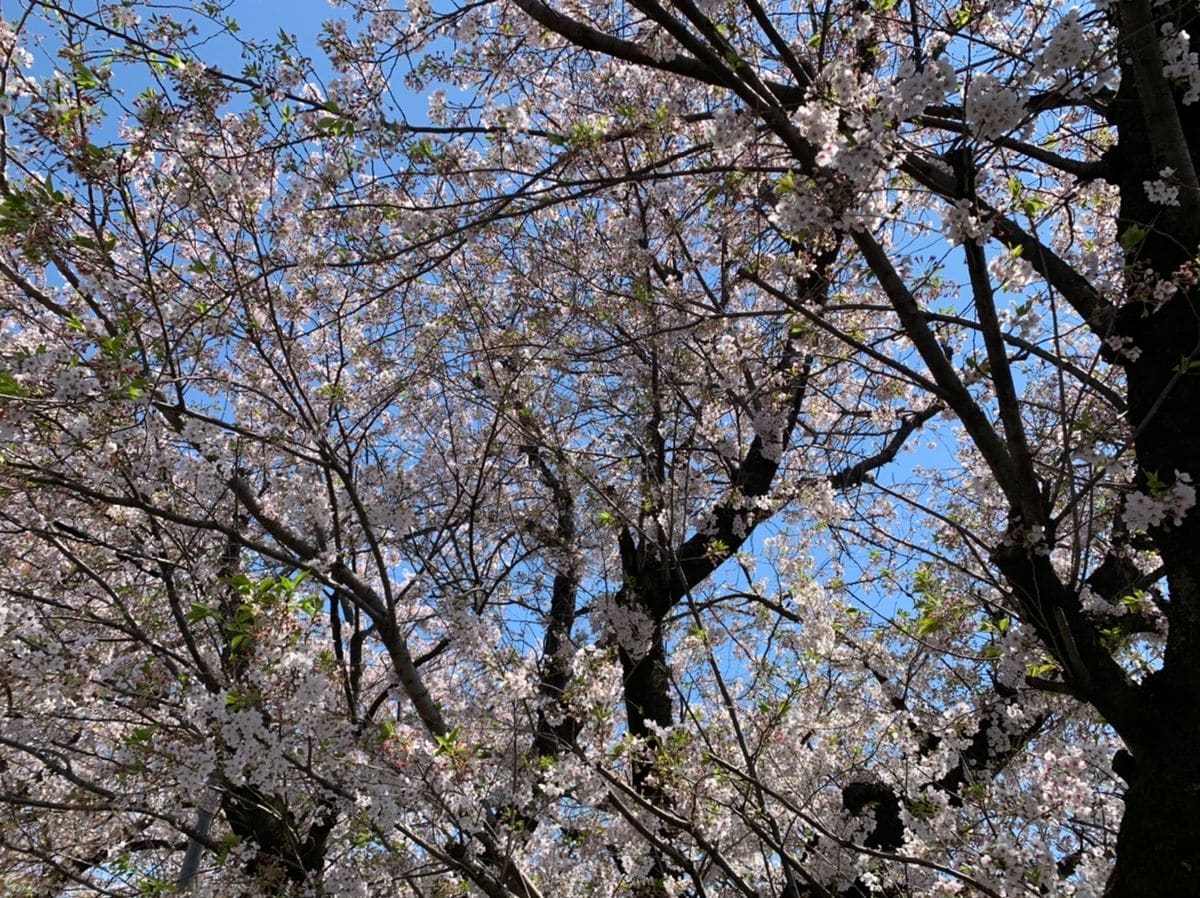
x: 818, y: 122
x: 1124, y: 346
x: 500, y: 395
x: 730, y: 128
x: 960, y: 223
x: 1167, y: 508
x: 993, y: 109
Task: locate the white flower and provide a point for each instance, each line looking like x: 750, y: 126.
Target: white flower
x: 1123, y: 346
x: 123, y: 17
x: 992, y: 108
x: 730, y: 128
x: 1162, y: 191
x: 1068, y: 45
x: 1143, y: 512
x: 959, y: 225
x: 1012, y: 273
x: 1179, y: 64
x: 437, y: 107
x: 1180, y: 498
x: 818, y: 123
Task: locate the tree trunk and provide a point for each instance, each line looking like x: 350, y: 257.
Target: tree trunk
x: 1158, y: 848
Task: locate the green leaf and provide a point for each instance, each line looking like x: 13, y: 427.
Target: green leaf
x: 135, y: 388
x: 422, y: 151
x: 734, y: 60
x: 1134, y: 600
x: 10, y: 386
x: 141, y: 735
x: 311, y: 605
x: 84, y: 78
x: 1187, y: 365
x: 1043, y: 671
x: 1032, y: 206
x: 199, y: 612
x: 335, y: 127
x: 239, y: 701
x: 928, y: 625
x: 447, y: 744
x: 1132, y: 237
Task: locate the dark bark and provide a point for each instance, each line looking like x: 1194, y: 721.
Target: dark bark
x: 553, y: 736
x: 284, y: 848
x: 1158, y: 849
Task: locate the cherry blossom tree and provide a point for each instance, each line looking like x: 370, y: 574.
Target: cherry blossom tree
x: 709, y: 448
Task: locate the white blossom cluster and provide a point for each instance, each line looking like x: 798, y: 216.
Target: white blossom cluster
x: 1012, y: 272
x: 959, y: 225
x: 730, y: 128
x: 1145, y: 511
x: 802, y: 209
x: 915, y: 89
x: 1124, y: 347
x: 510, y: 117
x: 1179, y: 63
x: 404, y: 421
x: 469, y: 28
x: 818, y: 123
x: 437, y: 107
x: 629, y: 626
x: 1067, y: 46
x: 992, y: 108
x: 122, y: 16
x: 1103, y: 462
x: 1161, y: 190
x: 12, y: 48
x: 769, y: 427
